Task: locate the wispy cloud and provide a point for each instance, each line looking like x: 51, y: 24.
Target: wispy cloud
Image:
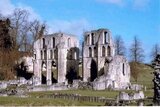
x: 135, y: 4
x: 33, y: 15
x: 115, y: 2
x: 7, y: 8
x: 76, y: 27
x: 140, y: 4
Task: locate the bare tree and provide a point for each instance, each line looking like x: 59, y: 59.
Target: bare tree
x: 20, y: 25
x: 155, y: 50
x: 25, y: 32
x: 136, y: 51
x: 120, y: 48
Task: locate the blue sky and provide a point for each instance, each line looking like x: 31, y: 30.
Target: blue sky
x: 123, y: 17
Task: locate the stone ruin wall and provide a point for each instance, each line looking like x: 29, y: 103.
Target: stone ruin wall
x: 100, y: 64
x: 58, y: 51
x: 97, y: 45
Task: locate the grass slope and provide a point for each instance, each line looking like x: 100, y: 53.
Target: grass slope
x: 145, y: 76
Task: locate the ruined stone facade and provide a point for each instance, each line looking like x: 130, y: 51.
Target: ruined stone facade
x: 100, y: 64
x: 56, y: 58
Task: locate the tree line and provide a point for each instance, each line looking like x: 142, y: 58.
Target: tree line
x: 17, y: 35
x: 136, y: 53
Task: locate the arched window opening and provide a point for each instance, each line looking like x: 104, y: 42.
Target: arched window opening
x: 53, y: 42
x: 123, y: 69
x: 106, y: 38
x: 45, y: 54
x: 55, y: 54
x: 69, y: 41
x: 108, y: 51
x: 93, y: 70
x: 41, y: 55
x: 88, y: 40
x: 103, y: 51
x: 43, y: 40
x: 90, y: 52
x: 51, y: 54
x: 92, y: 37
x: 95, y: 52
x: 34, y: 56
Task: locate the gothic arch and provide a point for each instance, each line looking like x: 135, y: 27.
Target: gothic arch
x: 108, y: 51
x: 90, y: 52
x: 93, y: 70
x: 103, y: 51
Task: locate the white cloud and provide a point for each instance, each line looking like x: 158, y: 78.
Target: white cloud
x: 76, y: 27
x: 116, y: 2
x: 7, y: 8
x: 140, y: 4
x: 136, y: 4
x: 32, y: 13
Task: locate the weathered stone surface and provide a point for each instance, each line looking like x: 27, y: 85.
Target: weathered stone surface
x: 57, y: 86
x: 136, y: 87
x: 100, y: 64
x: 131, y: 96
x: 27, y: 63
x: 56, y: 55
x: 3, y: 85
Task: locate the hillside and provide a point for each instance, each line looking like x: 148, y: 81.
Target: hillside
x: 145, y: 76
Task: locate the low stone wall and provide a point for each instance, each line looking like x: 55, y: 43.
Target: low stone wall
x: 79, y: 97
x: 19, y: 82
x: 48, y: 88
x: 131, y: 96
x: 136, y: 87
x: 3, y: 85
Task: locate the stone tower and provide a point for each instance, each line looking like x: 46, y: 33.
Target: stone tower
x: 97, y: 46
x: 100, y: 64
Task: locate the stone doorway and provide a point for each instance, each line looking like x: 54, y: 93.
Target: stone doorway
x: 93, y: 70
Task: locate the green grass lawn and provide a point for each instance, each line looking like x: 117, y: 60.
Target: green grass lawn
x: 145, y: 78
x: 104, y: 93
x: 34, y: 99
x: 15, y: 101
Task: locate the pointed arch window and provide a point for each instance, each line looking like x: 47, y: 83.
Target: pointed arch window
x: 123, y: 69
x: 43, y: 42
x: 108, y: 51
x: 41, y: 55
x: 88, y: 39
x: 51, y: 54
x: 103, y: 51
x: 53, y: 39
x: 90, y: 52
x: 45, y: 54
x: 95, y: 52
x: 92, y: 37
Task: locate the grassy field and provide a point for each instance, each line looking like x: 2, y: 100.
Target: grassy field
x: 34, y: 99
x: 145, y: 78
x: 15, y: 101
x: 104, y: 93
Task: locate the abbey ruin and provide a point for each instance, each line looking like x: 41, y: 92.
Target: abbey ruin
x: 56, y: 57
x: 100, y: 64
